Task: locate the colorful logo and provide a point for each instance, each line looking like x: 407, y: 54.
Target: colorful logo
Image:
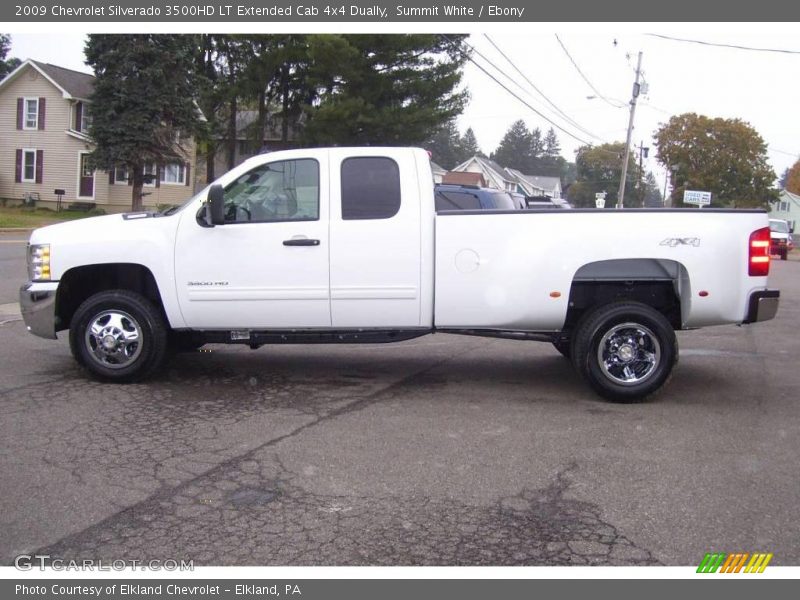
x: 734, y: 563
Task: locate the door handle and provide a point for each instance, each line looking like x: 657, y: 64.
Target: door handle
x: 300, y: 242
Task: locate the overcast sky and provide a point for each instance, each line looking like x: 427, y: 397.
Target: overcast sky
x: 761, y: 88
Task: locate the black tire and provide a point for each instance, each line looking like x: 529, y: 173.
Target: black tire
x: 117, y: 315
x: 564, y: 347
x: 646, y: 351
x: 784, y: 253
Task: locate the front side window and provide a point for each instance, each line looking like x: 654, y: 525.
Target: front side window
x: 31, y: 113
x: 29, y: 166
x: 286, y: 190
x: 370, y: 188
x: 175, y: 173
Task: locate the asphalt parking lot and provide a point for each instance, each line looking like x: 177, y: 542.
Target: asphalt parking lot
x: 443, y: 450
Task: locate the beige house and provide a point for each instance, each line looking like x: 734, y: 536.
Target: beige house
x: 43, y: 146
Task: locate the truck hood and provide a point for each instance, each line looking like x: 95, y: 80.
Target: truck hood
x: 99, y: 228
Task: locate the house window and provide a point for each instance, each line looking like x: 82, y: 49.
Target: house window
x: 29, y: 166
x: 783, y: 206
x: 150, y: 174
x: 174, y: 174
x: 86, y: 120
x: 31, y: 113
x: 121, y: 175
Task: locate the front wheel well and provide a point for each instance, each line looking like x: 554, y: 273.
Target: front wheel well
x: 79, y: 283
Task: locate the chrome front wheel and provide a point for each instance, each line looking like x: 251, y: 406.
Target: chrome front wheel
x: 113, y: 338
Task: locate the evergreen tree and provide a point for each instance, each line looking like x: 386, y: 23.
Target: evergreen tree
x: 383, y: 89
x: 468, y: 146
x: 515, y: 149
x: 445, y: 146
x: 143, y: 108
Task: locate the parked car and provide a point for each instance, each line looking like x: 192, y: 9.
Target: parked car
x: 780, y: 238
x: 471, y: 197
x: 519, y: 200
x: 343, y: 245
x: 546, y: 202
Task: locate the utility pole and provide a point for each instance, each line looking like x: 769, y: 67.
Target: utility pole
x: 635, y: 95
x: 643, y: 152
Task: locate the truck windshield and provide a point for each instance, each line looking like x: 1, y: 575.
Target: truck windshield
x: 779, y: 226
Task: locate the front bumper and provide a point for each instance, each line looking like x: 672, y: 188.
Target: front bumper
x: 37, y: 302
x: 762, y: 306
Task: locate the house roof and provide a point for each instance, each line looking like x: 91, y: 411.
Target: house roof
x: 76, y: 84
x: 437, y: 169
x: 790, y: 196
x: 71, y: 84
x: 543, y: 182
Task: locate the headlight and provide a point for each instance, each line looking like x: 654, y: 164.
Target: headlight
x: 39, y: 262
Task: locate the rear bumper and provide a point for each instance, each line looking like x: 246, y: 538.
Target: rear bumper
x: 762, y: 306
x: 37, y: 303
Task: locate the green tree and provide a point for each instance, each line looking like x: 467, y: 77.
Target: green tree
x: 445, y: 146
x: 468, y: 146
x: 143, y: 108
x: 598, y: 170
x: 792, y: 183
x: 515, y: 150
x: 381, y: 89
x: 726, y: 157
x: 6, y: 64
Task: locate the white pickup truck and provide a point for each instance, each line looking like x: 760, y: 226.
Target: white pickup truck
x: 343, y: 245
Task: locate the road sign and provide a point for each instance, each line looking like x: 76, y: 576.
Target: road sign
x: 695, y: 197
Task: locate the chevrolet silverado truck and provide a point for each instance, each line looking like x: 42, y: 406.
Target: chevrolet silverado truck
x: 343, y: 245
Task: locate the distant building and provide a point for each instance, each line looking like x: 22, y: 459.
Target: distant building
x: 787, y: 208
x: 510, y: 180
x: 438, y: 172
x: 44, y: 116
x: 247, y: 144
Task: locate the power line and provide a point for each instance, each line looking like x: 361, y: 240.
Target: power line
x: 719, y: 45
x: 540, y: 92
x: 507, y: 89
x: 586, y: 79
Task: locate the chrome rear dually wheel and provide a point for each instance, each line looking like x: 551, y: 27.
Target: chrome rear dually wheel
x: 625, y: 350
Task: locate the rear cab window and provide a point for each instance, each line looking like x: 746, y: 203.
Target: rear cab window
x: 370, y: 188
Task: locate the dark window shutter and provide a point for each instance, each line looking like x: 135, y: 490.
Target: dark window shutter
x: 20, y: 110
x: 18, y: 168
x: 79, y: 118
x: 111, y: 176
x: 39, y: 165
x: 188, y: 173
x: 42, y: 102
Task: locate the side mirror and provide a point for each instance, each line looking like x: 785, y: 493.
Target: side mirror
x: 215, y: 207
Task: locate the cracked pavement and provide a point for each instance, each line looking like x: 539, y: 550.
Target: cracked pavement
x: 443, y: 450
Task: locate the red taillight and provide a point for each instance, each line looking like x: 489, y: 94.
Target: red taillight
x: 758, y: 264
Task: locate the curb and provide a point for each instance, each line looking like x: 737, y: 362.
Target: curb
x: 16, y: 229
